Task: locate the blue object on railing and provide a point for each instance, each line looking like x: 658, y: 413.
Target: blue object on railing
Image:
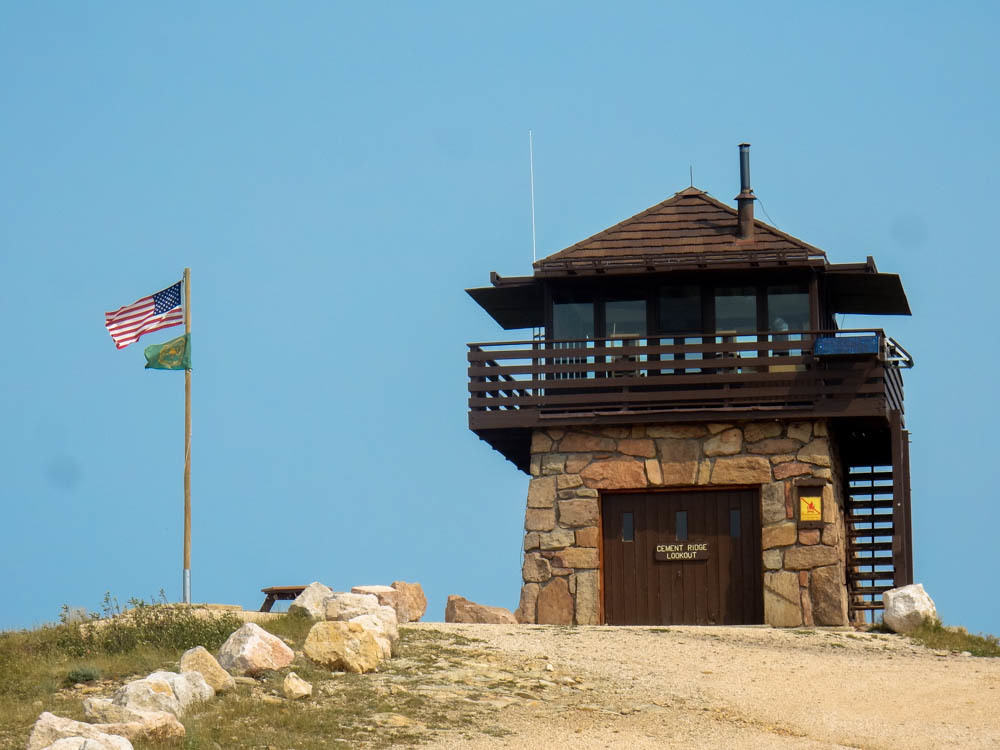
x: 829, y: 346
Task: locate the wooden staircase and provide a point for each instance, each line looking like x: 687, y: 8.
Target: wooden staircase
x: 877, y: 517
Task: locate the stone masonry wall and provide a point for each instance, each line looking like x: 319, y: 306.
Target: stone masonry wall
x: 803, y: 569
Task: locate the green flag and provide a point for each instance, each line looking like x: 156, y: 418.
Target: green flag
x: 171, y: 355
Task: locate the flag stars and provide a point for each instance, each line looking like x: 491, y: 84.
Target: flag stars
x: 167, y: 299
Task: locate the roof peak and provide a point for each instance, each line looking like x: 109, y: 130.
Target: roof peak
x: 690, y: 223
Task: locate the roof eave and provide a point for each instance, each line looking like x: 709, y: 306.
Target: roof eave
x: 674, y: 262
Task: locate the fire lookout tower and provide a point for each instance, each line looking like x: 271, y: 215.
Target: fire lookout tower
x: 705, y: 445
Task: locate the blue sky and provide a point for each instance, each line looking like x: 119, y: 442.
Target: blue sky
x: 335, y: 177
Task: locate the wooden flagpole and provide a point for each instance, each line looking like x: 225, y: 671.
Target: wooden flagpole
x: 187, y: 443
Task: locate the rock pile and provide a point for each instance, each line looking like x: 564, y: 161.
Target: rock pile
x: 320, y: 602
x: 148, y: 709
x: 355, y: 632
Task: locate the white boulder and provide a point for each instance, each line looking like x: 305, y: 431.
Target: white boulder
x: 387, y: 597
x: 188, y: 687
x: 294, y: 687
x: 251, y: 648
x: 345, y: 646
x: 390, y: 623
x: 372, y: 625
x: 198, y: 659
x: 384, y: 625
x: 148, y: 695
x: 50, y: 729
x: 152, y: 726
x: 343, y: 606
x: 907, y: 607
x: 312, y: 601
x: 104, y: 711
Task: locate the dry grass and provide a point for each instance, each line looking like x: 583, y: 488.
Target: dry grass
x: 933, y: 634
x: 346, y: 710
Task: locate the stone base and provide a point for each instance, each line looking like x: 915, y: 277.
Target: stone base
x: 803, y: 569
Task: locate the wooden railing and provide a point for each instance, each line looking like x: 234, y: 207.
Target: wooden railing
x: 696, y: 372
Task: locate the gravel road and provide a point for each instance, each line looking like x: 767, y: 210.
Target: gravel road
x: 740, y: 687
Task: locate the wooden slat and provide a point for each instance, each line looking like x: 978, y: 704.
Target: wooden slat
x: 855, y: 504
x: 894, y: 381
x: 870, y: 590
x: 876, y: 576
x: 810, y: 332
x: 529, y: 350
x: 880, y: 530
x: 856, y: 493
x: 485, y: 422
x: 648, y: 381
x: 869, y: 476
x: 614, y: 396
x: 869, y: 547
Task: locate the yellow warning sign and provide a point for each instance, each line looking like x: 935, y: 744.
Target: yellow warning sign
x: 810, y: 508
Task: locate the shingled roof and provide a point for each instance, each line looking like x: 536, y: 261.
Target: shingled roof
x: 691, y: 228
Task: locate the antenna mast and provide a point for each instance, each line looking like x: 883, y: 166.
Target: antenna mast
x: 531, y: 166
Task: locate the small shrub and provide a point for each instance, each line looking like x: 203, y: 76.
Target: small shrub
x: 83, y: 674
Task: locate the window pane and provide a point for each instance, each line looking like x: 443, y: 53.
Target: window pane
x: 573, y: 320
x: 628, y: 528
x: 625, y: 318
x: 734, y: 523
x: 735, y: 310
x: 681, y: 525
x: 680, y: 309
x: 787, y: 308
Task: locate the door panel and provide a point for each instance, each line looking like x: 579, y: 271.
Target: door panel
x: 724, y: 588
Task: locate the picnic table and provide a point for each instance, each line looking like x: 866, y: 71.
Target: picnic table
x: 274, y: 593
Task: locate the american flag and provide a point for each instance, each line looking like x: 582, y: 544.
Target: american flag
x: 160, y: 310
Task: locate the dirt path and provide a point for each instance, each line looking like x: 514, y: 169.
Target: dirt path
x: 691, y: 687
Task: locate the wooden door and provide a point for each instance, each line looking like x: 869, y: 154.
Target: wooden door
x: 709, y: 566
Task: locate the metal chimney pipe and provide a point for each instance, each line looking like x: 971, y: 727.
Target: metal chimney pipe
x: 745, y: 168
x: 744, y: 201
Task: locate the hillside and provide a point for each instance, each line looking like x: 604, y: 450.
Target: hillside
x: 488, y: 686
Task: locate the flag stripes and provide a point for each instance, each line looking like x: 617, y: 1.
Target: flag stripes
x: 152, y: 313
